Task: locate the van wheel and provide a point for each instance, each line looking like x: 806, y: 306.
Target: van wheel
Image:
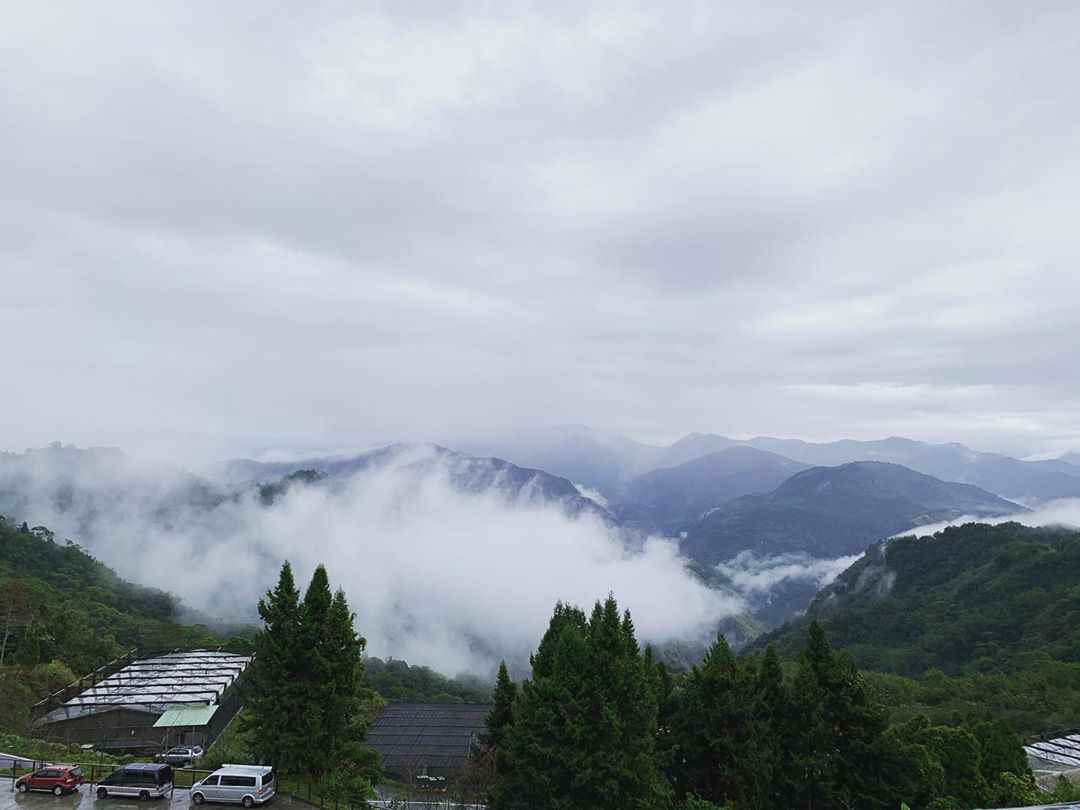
x: 198, y: 798
x: 102, y: 793
x: 57, y: 791
x: 248, y: 801
x: 144, y: 795
x: 23, y: 787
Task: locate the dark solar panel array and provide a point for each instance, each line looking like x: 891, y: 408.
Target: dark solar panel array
x: 413, y: 738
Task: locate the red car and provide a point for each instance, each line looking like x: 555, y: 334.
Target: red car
x: 57, y: 779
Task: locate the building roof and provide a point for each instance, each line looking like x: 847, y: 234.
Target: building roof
x: 413, y: 737
x: 155, y: 684
x: 1063, y: 750
x: 186, y: 716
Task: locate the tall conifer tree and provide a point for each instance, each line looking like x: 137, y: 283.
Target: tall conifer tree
x: 501, y: 717
x: 274, y: 693
x: 317, y: 673
x: 584, y: 726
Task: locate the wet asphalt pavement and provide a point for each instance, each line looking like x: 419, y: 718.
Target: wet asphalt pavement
x: 85, y: 799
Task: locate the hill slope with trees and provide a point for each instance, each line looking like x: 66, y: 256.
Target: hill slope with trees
x: 976, y: 621
x: 972, y: 598
x: 63, y: 614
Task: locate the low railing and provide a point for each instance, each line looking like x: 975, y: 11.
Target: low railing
x: 94, y: 772
x: 287, y: 787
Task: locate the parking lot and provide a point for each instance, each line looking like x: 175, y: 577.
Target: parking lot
x: 85, y: 799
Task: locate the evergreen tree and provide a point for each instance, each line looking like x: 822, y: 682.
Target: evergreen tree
x: 772, y: 708
x: 306, y: 697
x: 344, y: 651
x: 539, y: 766
x: 584, y: 728
x: 501, y: 717
x: 316, y: 672
x: 838, y: 751
x: 346, y: 711
x: 274, y: 700
x: 714, y: 732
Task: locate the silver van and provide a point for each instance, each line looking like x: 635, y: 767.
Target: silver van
x: 243, y: 784
x: 142, y: 779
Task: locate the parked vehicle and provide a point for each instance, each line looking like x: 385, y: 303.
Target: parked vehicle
x: 243, y: 784
x: 182, y: 755
x: 57, y: 779
x: 145, y: 780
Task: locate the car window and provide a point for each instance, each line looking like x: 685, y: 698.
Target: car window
x: 238, y: 781
x: 268, y: 778
x: 210, y: 780
x: 47, y: 773
x: 76, y: 771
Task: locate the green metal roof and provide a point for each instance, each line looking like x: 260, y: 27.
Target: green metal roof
x: 186, y: 716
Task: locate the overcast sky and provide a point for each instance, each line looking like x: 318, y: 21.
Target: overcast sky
x: 244, y: 225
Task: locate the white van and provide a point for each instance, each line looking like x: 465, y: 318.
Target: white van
x: 243, y: 784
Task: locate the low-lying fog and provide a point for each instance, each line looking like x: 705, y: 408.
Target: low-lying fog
x: 1062, y: 512
x: 436, y: 576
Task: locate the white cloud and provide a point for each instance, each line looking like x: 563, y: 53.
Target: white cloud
x: 435, y: 576
x: 1062, y: 512
x: 750, y: 573
x: 249, y: 227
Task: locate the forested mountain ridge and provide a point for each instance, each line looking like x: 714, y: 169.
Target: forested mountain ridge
x: 972, y: 598
x: 976, y: 622
x: 67, y: 605
x: 670, y: 498
x: 829, y: 512
x: 469, y: 474
x: 74, y: 489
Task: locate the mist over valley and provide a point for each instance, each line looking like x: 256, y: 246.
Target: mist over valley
x: 453, y: 560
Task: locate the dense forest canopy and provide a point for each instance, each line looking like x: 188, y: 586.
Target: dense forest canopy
x: 601, y: 724
x: 397, y: 682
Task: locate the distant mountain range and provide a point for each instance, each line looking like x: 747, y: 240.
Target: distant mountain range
x: 72, y: 487
x: 672, y: 498
x: 466, y: 473
x: 829, y: 512
x: 609, y: 463
x: 792, y: 509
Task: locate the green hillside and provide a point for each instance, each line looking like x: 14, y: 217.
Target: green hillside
x: 63, y: 613
x: 976, y: 621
